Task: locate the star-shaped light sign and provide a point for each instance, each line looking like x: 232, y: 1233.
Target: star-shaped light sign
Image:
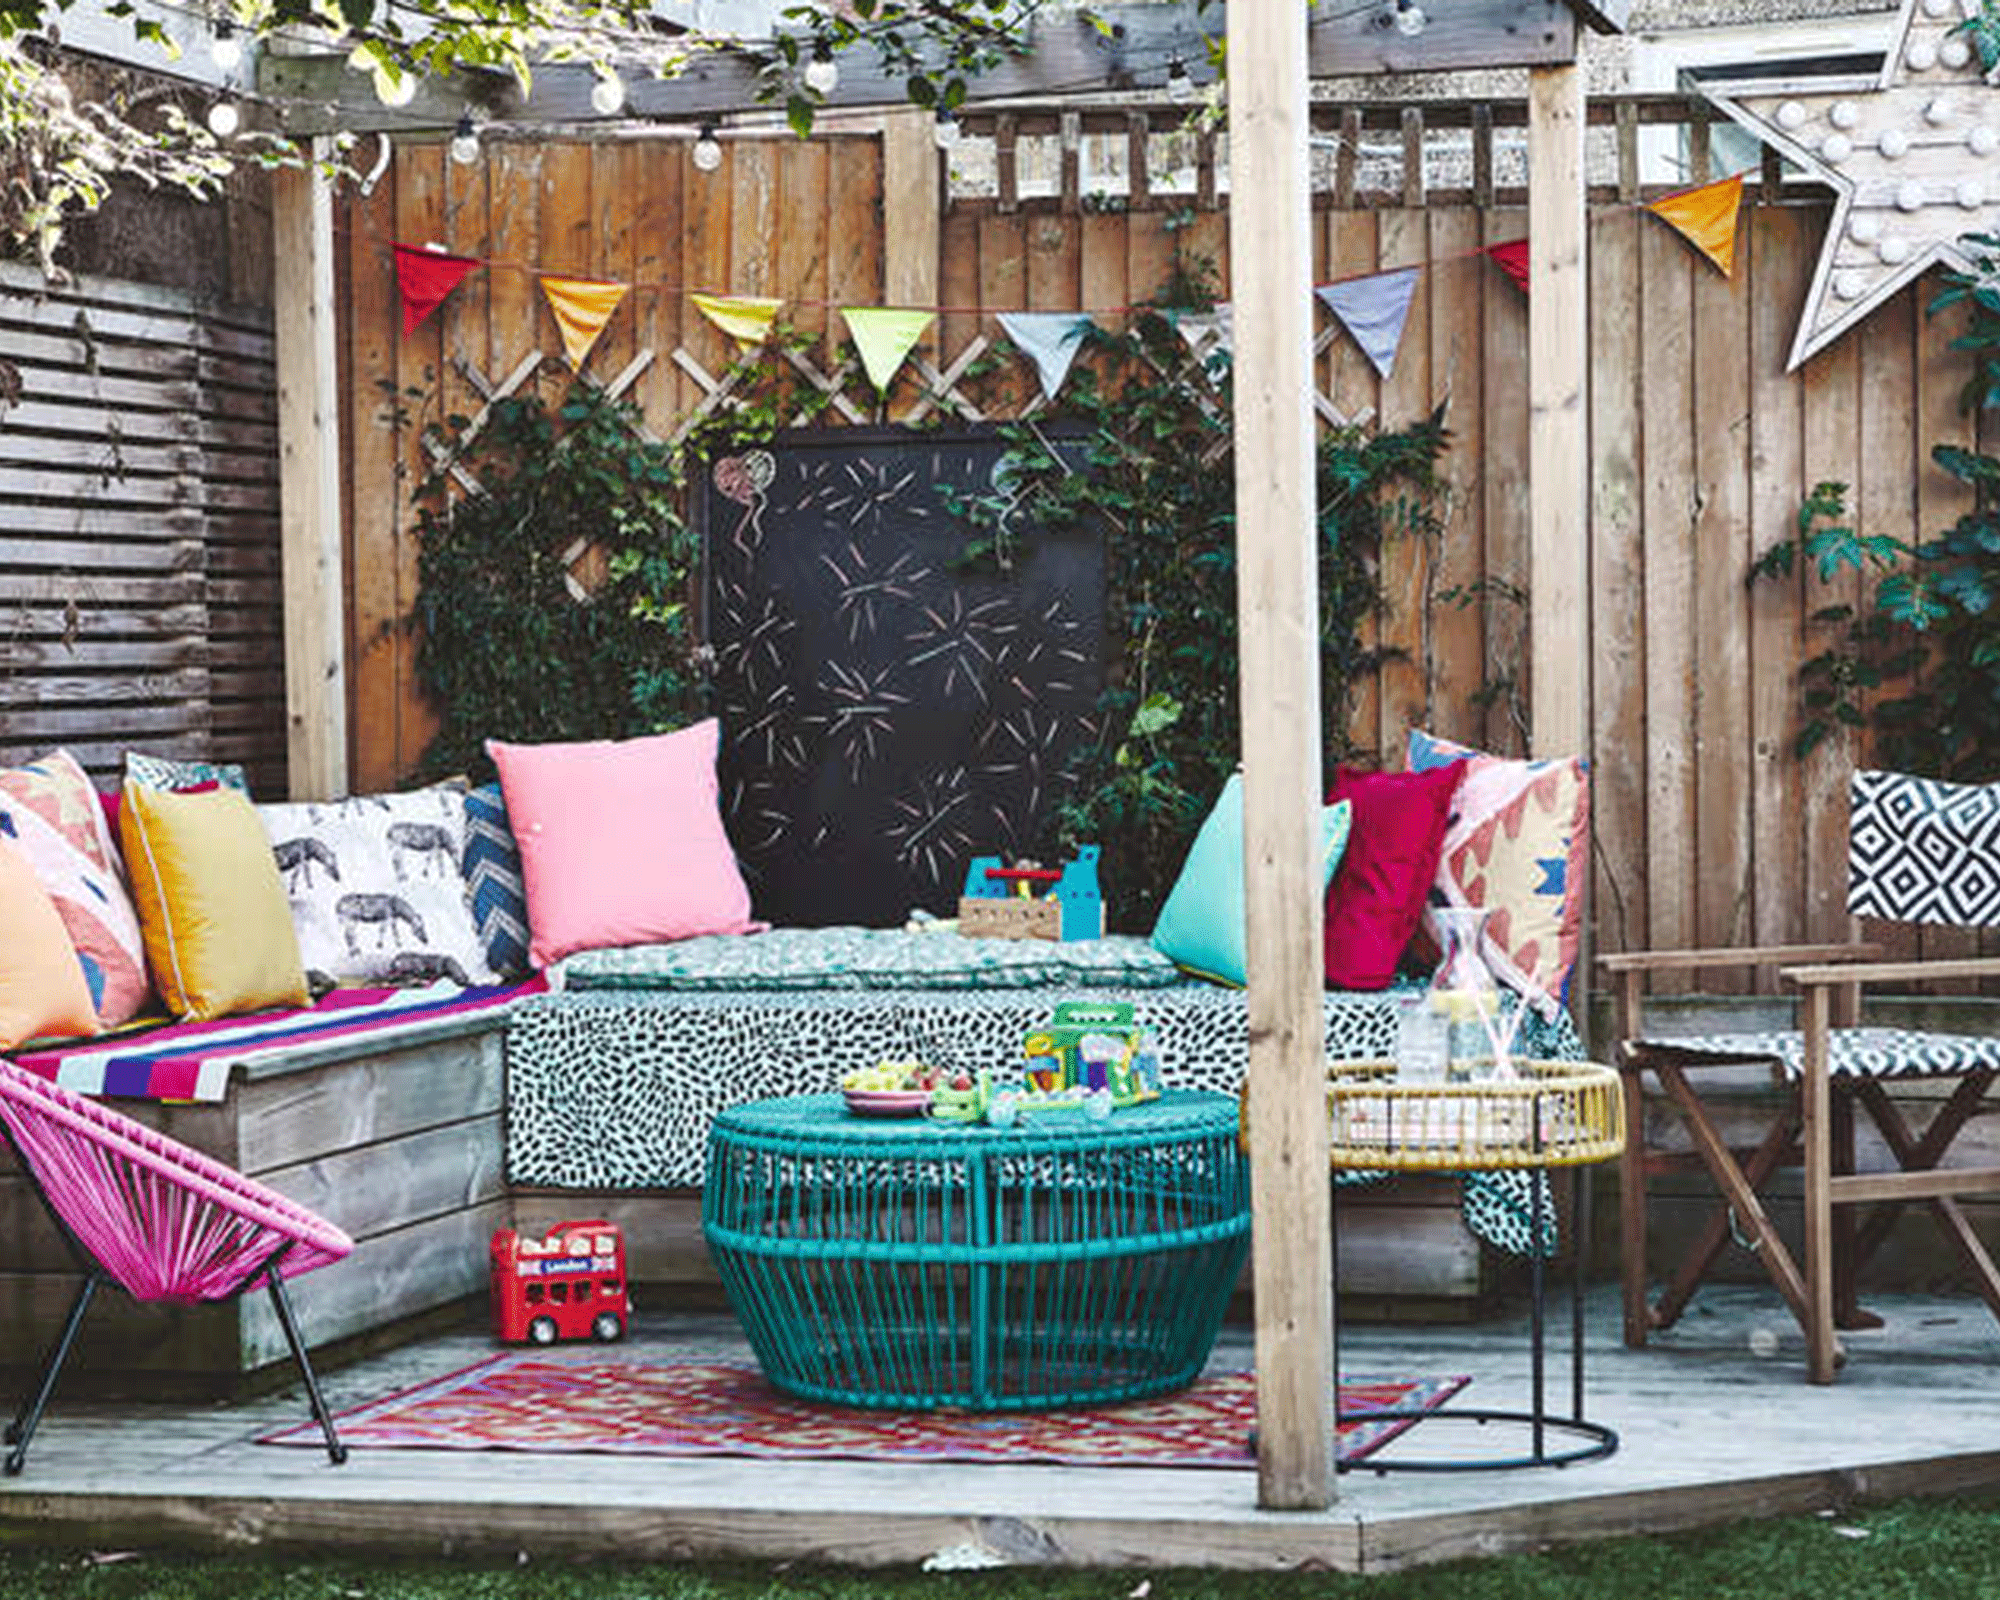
x: 1913, y: 154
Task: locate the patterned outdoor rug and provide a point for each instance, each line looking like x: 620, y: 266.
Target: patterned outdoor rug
x: 592, y: 1401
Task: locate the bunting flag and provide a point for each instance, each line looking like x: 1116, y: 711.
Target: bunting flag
x: 885, y: 335
x: 425, y: 279
x: 1207, y: 333
x: 582, y: 306
x: 746, y: 318
x: 1512, y: 259
x: 1050, y: 339
x: 1373, y: 311
x: 1706, y: 218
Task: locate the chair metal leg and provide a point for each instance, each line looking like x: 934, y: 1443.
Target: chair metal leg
x: 21, y: 1432
x: 336, y: 1451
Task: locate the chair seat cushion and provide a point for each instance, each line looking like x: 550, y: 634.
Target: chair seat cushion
x: 1852, y: 1052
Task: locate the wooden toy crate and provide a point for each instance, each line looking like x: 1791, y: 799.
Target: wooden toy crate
x: 1012, y: 918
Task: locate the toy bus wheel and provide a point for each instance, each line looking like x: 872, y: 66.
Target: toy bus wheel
x: 607, y: 1327
x: 542, y: 1331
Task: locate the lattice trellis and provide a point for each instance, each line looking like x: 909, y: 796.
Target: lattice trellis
x: 942, y: 391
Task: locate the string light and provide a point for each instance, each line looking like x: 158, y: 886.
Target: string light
x: 1180, y: 82
x: 945, y: 131
x: 607, y: 95
x: 224, y: 118
x: 707, y: 149
x: 225, y: 49
x: 822, y: 72
x: 395, y: 87
x: 465, y: 141
x: 1410, y: 18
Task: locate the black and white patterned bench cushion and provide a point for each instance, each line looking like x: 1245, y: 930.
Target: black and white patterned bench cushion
x: 1851, y: 1052
x: 1919, y: 850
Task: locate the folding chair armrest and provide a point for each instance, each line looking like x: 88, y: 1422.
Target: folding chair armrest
x: 1771, y: 955
x: 1823, y: 977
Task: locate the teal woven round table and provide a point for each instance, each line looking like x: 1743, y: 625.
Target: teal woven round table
x: 916, y: 1264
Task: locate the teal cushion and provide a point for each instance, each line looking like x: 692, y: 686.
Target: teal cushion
x: 1201, y: 925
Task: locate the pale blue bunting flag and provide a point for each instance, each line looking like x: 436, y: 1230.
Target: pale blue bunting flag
x: 1373, y: 310
x: 1050, y: 339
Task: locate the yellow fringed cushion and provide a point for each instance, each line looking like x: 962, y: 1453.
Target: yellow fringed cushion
x: 218, y: 931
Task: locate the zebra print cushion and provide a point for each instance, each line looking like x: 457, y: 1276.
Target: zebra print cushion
x: 376, y: 888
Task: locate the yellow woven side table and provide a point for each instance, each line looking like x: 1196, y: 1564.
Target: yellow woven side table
x: 1546, y: 1115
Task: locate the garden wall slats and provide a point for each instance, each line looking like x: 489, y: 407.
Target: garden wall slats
x: 139, y: 600
x: 1708, y: 828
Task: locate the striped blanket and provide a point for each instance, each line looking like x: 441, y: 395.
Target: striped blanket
x: 193, y: 1060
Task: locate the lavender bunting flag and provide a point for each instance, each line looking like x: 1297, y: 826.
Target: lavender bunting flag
x: 1373, y: 311
x: 1050, y: 339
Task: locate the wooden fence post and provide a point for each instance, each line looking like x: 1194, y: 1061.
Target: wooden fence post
x: 1277, y: 607
x: 912, y: 213
x: 309, y: 482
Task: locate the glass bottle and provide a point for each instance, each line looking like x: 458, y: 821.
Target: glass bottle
x: 1463, y: 992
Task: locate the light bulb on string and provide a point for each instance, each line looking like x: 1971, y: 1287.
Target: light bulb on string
x: 707, y: 149
x: 224, y: 118
x: 225, y: 49
x: 465, y: 141
x: 607, y: 95
x: 1180, y: 82
x: 822, y: 73
x: 395, y: 87
x: 945, y: 131
x: 1410, y: 18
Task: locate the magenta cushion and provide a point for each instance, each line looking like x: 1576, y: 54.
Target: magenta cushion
x: 1377, y: 897
x: 621, y: 841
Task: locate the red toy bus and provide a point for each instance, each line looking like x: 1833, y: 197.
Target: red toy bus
x: 568, y: 1284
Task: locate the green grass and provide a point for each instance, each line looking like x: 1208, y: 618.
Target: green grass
x: 1915, y: 1550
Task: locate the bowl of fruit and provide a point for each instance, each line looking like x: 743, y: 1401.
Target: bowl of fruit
x: 890, y: 1089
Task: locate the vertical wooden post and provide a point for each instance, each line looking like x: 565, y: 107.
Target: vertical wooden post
x: 1277, y: 608
x: 315, y: 606
x: 912, y: 213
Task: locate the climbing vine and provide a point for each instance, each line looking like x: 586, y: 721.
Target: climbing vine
x: 1917, y: 664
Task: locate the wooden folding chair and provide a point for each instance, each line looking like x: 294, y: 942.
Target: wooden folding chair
x: 1918, y: 851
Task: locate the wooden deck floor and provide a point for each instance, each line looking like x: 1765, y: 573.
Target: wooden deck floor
x: 1712, y: 1431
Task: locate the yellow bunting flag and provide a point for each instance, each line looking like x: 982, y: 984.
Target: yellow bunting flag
x: 1706, y: 218
x: 885, y: 335
x: 745, y: 318
x: 582, y: 307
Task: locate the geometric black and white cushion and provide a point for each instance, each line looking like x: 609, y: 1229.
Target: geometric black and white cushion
x: 1923, y: 851
x: 1851, y: 1052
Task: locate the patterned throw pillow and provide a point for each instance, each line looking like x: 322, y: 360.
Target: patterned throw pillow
x: 1517, y: 846
x: 376, y: 887
x: 50, y: 813
x: 1921, y: 850
x: 170, y: 772
x: 493, y: 879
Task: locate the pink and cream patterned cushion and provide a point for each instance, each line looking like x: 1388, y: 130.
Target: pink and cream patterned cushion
x: 50, y: 812
x: 1517, y: 846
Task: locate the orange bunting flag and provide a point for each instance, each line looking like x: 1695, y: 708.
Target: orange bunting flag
x: 745, y: 318
x: 1706, y: 218
x: 582, y: 306
x: 1512, y: 259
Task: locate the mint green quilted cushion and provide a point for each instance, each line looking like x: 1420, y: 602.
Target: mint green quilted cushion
x: 870, y: 958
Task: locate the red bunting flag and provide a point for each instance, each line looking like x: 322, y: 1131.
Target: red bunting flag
x: 1512, y: 259
x: 426, y: 279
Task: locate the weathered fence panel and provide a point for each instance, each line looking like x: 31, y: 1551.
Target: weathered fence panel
x: 1708, y: 828
x: 139, y: 603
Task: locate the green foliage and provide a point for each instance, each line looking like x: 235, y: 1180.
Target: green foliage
x: 1152, y: 470
x: 1926, y: 633
x: 506, y: 649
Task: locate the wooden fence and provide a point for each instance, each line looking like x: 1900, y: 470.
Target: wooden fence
x: 1707, y: 829
x: 139, y: 599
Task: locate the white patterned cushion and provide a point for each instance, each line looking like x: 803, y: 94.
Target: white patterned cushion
x: 1923, y: 851
x: 1851, y: 1052
x: 376, y: 889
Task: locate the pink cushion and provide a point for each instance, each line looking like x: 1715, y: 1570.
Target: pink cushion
x: 1377, y: 897
x: 621, y: 841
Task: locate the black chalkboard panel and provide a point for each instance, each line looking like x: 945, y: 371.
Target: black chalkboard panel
x: 887, y: 714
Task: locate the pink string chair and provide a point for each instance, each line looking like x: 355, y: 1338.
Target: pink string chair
x: 160, y: 1220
